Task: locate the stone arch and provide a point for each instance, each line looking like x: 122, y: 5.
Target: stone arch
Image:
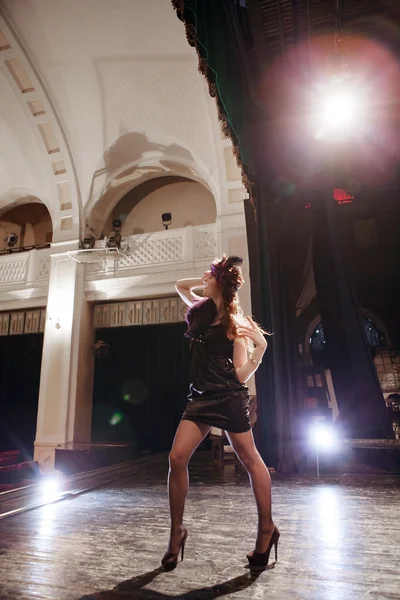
x: 309, y: 331
x: 190, y: 203
x: 108, y: 190
x: 64, y: 203
x: 317, y: 319
x: 22, y: 195
x: 13, y: 215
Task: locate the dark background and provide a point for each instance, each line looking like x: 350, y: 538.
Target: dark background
x: 20, y: 364
x: 143, y: 380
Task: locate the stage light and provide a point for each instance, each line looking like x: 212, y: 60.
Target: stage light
x: 323, y: 436
x: 114, y: 238
x: 88, y: 243
x: 166, y: 220
x: 338, y: 109
x: 11, y: 240
x: 50, y: 487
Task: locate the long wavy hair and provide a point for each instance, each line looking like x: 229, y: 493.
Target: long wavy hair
x: 228, y: 274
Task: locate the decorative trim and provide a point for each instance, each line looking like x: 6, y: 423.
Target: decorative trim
x: 167, y: 248
x: 22, y: 322
x: 13, y: 268
x: 40, y: 111
x: 153, y: 311
x: 209, y: 74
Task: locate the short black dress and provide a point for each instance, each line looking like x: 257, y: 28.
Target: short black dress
x: 216, y: 396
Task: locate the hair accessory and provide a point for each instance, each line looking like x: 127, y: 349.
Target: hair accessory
x: 227, y: 268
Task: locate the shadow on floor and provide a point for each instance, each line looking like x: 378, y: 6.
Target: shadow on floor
x: 133, y: 589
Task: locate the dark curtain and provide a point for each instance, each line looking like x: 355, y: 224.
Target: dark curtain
x: 222, y: 41
x: 280, y: 431
x: 20, y: 365
x: 140, y: 387
x: 229, y: 64
x: 362, y: 408
x: 220, y: 33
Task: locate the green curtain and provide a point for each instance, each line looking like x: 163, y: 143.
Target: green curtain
x: 212, y: 27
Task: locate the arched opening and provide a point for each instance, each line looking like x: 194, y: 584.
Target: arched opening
x: 24, y: 226
x: 374, y: 336
x: 386, y: 360
x: 140, y: 210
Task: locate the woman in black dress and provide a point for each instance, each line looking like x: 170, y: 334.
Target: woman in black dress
x: 220, y: 366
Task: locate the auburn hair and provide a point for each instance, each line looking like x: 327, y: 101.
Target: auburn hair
x: 228, y: 274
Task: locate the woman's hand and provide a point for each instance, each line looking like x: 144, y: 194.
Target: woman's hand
x: 253, y: 332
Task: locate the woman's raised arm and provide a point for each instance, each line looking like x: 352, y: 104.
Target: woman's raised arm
x: 185, y: 288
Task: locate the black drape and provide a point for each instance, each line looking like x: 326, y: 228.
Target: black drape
x: 279, y: 431
x: 267, y: 143
x: 140, y: 388
x: 20, y: 365
x: 362, y: 409
x: 213, y: 27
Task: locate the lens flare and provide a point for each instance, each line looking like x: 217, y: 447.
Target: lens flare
x: 116, y: 418
x: 323, y: 436
x: 338, y: 110
x: 50, y: 487
x: 134, y: 391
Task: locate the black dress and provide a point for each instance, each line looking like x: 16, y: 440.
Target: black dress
x: 216, y: 396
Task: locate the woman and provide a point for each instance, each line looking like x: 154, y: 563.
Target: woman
x: 219, y: 397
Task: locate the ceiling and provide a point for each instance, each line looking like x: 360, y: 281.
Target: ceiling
x: 97, y: 97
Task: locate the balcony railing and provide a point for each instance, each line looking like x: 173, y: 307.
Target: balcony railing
x: 190, y: 247
x: 24, y: 268
x: 186, y: 246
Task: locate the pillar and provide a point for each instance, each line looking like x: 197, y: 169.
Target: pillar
x: 65, y: 395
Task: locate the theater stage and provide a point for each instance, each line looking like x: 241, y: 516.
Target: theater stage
x: 340, y: 539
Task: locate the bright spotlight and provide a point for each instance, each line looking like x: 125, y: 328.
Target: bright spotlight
x: 50, y: 488
x: 323, y: 436
x: 338, y: 110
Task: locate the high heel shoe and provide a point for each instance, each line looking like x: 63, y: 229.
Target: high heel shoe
x: 170, y: 559
x: 260, y: 559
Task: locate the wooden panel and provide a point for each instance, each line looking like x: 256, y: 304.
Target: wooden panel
x: 17, y: 322
x: 42, y: 323
x: 183, y: 308
x: 140, y: 312
x: 134, y: 313
x: 168, y: 310
x: 118, y: 314
x: 4, y: 323
x: 151, y: 312
x: 108, y: 543
x: 32, y: 321
x: 102, y: 316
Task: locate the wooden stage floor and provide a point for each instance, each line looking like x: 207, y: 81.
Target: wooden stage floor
x: 340, y: 539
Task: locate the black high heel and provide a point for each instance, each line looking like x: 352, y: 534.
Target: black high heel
x: 260, y: 559
x: 170, y: 559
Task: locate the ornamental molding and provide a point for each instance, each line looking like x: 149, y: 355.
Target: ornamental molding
x: 35, y: 100
x: 153, y: 311
x: 22, y: 322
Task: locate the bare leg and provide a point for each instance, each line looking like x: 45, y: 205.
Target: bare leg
x: 260, y: 479
x: 188, y: 436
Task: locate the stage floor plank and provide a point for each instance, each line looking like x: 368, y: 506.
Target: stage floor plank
x: 340, y: 539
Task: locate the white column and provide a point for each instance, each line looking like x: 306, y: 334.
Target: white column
x: 65, y: 396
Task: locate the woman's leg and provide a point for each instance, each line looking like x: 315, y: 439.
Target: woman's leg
x: 188, y: 436
x: 243, y: 445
